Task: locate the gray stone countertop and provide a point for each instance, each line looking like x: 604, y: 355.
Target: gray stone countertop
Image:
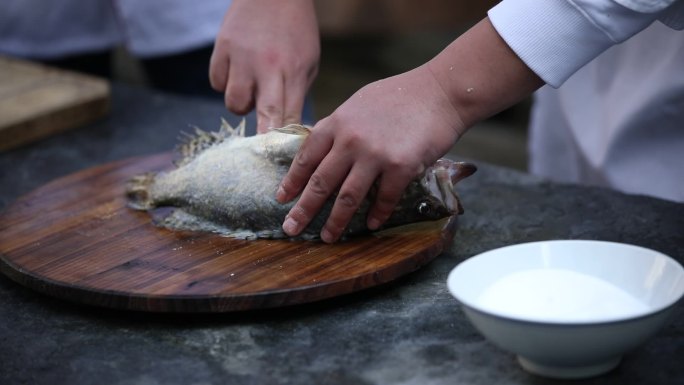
x: 410, y: 331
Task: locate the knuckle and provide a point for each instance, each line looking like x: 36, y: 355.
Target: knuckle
x: 353, y: 140
x: 349, y: 199
x: 273, y: 57
x: 319, y: 186
x: 286, y: 62
x: 302, y: 159
x: 403, y: 168
x: 269, y: 109
x: 398, y: 163
x: 291, y: 117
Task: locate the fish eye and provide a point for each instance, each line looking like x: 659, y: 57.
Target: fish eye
x: 424, y: 208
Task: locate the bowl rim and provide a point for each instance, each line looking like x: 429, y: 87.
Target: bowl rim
x: 604, y: 320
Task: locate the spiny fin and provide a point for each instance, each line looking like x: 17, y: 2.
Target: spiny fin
x: 229, y: 131
x: 293, y: 129
x: 194, y: 144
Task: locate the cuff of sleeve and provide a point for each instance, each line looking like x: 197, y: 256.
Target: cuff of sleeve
x: 553, y: 38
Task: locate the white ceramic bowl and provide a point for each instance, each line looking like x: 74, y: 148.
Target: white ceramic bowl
x: 568, y: 309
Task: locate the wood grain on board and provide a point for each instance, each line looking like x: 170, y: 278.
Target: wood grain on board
x: 74, y: 238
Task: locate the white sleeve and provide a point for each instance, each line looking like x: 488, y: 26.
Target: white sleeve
x: 38, y: 29
x: 646, y: 6
x: 165, y: 27
x: 555, y: 38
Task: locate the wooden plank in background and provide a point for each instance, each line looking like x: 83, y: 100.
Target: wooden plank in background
x: 37, y: 101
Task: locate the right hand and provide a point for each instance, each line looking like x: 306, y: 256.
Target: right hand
x: 266, y: 56
x: 390, y: 131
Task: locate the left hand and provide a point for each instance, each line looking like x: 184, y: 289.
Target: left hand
x: 389, y: 131
x: 266, y: 56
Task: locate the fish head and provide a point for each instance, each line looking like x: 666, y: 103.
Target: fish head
x: 432, y: 196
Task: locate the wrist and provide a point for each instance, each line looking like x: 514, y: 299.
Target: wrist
x: 481, y: 75
x: 449, y: 108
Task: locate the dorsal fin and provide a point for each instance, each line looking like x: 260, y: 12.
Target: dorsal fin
x: 293, y: 129
x: 229, y: 131
x: 194, y: 144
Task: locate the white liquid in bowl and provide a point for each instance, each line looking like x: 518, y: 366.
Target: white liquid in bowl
x: 558, y: 295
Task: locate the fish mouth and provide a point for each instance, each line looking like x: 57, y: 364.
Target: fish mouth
x: 440, y: 179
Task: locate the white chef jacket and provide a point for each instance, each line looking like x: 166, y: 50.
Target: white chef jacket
x: 51, y: 29
x: 619, y: 120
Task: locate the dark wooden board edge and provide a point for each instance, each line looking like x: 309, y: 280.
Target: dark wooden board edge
x: 232, y: 303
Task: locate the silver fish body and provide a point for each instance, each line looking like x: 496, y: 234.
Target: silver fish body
x: 226, y: 183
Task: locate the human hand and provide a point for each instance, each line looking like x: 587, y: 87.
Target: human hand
x: 266, y: 55
x: 389, y: 131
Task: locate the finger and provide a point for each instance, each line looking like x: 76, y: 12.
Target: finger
x: 270, y: 102
x: 295, y: 92
x: 218, y: 70
x: 351, y: 195
x: 390, y: 189
x: 323, y: 182
x: 316, y: 146
x: 320, y: 187
x: 240, y: 90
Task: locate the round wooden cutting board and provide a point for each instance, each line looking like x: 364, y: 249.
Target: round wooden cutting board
x: 74, y: 238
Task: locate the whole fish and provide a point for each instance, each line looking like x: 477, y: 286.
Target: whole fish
x: 226, y: 183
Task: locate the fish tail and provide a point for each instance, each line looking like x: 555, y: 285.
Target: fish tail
x: 138, y: 192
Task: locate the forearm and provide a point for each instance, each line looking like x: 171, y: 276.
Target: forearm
x: 481, y: 75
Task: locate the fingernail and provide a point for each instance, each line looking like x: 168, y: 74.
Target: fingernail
x: 280, y: 195
x: 290, y: 227
x: 373, y: 224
